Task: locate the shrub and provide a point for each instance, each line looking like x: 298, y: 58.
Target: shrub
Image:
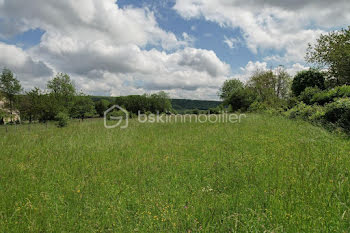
x: 241, y: 99
x: 301, y: 110
x: 305, y: 79
x: 196, y: 112
x: 308, y: 94
x: 343, y: 91
x: 313, y: 113
x: 325, y: 97
x: 258, y: 106
x: 216, y: 110
x: 62, y: 119
x: 322, y: 97
x: 339, y: 113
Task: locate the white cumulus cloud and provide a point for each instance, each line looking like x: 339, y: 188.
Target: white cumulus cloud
x: 105, y: 48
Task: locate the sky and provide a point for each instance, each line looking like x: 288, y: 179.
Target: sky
x: 187, y: 48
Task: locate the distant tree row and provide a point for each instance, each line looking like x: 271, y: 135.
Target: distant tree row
x: 61, y: 101
x: 153, y: 103
x: 319, y: 94
x: 266, y: 88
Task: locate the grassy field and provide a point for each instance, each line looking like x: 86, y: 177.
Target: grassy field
x: 266, y: 174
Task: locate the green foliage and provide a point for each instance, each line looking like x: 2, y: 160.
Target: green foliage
x: 196, y: 111
x: 329, y: 96
x: 263, y: 83
x: 154, y: 103
x: 101, y: 106
x: 62, y: 92
x: 216, y: 110
x: 332, y: 51
x: 305, y: 79
x: 306, y: 112
x: 240, y: 100
x: 308, y: 94
x: 283, y: 83
x: 229, y: 87
x: 83, y: 107
x: 10, y: 87
x: 338, y: 113
x: 160, y: 102
x: 31, y: 105
x: 258, y: 106
x: 61, y: 85
x: 264, y: 90
x: 271, y: 87
x: 62, y: 119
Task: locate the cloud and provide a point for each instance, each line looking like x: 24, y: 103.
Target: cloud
x: 26, y: 68
x: 89, y: 19
x: 106, y: 49
x: 232, y: 43
x: 284, y: 26
x: 252, y: 67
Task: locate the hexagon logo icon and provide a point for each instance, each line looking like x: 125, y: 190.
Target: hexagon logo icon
x: 119, y: 118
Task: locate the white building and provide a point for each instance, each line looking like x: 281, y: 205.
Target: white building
x: 6, y: 117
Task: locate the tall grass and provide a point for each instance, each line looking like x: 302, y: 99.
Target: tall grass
x: 266, y: 174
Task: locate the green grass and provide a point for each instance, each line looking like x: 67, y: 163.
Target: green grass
x: 266, y: 174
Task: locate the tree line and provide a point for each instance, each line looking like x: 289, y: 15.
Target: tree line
x: 61, y: 101
x: 320, y: 94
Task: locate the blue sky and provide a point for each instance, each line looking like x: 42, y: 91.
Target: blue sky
x: 207, y: 35
x: 187, y: 48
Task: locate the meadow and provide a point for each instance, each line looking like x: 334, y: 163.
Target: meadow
x: 266, y: 174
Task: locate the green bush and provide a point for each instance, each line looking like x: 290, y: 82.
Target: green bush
x: 300, y: 111
x: 313, y: 113
x: 62, y: 119
x: 258, y: 106
x: 216, y: 110
x: 307, y: 78
x: 338, y: 113
x: 329, y: 96
x: 308, y: 94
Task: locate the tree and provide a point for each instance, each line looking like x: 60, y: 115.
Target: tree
x: 62, y: 119
x: 83, y: 107
x: 305, y: 79
x: 241, y: 99
x: 154, y: 103
x: 332, y: 51
x: 31, y: 105
x: 62, y: 92
x: 11, y: 87
x: 229, y: 87
x: 160, y: 102
x: 264, y: 84
x: 283, y: 83
x: 101, y: 106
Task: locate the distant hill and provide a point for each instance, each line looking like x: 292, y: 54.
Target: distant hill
x: 178, y: 104
x: 98, y: 98
x: 184, y: 104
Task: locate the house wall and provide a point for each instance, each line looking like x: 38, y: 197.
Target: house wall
x: 7, y: 118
